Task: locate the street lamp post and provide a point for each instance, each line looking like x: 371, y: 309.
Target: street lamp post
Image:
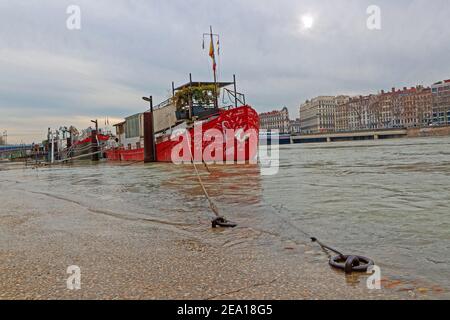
x: 5, y: 136
x: 96, y: 124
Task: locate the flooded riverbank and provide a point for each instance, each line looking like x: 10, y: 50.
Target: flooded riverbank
x: 388, y: 199
x: 385, y: 199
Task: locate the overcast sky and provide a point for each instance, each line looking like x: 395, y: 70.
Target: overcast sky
x: 52, y: 76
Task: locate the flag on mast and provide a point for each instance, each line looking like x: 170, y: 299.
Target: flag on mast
x: 212, y: 54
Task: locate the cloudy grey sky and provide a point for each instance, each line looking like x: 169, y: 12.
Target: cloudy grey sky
x: 50, y: 76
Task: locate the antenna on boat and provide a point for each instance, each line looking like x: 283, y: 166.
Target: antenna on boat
x: 212, y: 54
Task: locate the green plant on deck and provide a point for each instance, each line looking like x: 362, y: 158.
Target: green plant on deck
x: 201, y: 94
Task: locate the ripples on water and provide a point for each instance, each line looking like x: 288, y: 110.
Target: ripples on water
x: 386, y: 199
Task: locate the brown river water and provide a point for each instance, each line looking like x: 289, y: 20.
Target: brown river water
x: 389, y: 200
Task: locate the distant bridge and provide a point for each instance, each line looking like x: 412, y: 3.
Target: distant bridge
x: 15, y: 151
x: 349, y: 136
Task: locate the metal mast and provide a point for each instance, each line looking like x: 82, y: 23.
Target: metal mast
x: 211, y: 36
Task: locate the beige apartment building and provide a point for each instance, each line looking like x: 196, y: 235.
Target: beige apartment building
x: 318, y: 115
x: 341, y: 113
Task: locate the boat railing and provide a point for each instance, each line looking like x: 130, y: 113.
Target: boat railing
x: 236, y: 97
x: 163, y: 104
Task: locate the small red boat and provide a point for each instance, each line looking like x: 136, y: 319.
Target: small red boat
x: 83, y: 144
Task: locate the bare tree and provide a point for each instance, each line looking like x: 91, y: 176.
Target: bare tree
x: 397, y: 110
x: 355, y: 107
x: 375, y: 112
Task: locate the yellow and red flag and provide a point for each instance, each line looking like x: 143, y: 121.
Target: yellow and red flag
x: 212, y: 55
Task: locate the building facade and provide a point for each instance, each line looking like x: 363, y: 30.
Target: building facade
x: 399, y: 108
x: 341, y: 113
x: 424, y: 103
x: 441, y: 103
x: 406, y: 108
x: 308, y: 117
x: 275, y: 120
x: 416, y: 106
x: 357, y: 113
x: 318, y: 115
x: 295, y: 126
x: 371, y: 112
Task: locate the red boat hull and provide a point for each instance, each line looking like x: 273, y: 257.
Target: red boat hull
x: 82, y: 147
x: 239, y: 128
x: 101, y: 138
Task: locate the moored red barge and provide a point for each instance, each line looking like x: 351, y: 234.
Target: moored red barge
x: 238, y: 126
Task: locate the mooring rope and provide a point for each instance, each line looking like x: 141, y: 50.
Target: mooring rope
x: 348, y: 263
x: 206, y: 166
x: 308, y: 235
x: 63, y: 161
x: 212, y: 205
x: 79, y: 157
x: 130, y: 163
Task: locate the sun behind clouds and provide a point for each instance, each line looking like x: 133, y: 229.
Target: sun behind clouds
x: 307, y: 21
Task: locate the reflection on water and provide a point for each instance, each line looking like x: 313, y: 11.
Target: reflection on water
x: 385, y: 199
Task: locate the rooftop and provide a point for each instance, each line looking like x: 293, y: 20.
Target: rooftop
x: 272, y: 112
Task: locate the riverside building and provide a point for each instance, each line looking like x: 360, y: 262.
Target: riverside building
x: 318, y: 115
x: 275, y: 120
x: 441, y: 103
x: 412, y: 107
